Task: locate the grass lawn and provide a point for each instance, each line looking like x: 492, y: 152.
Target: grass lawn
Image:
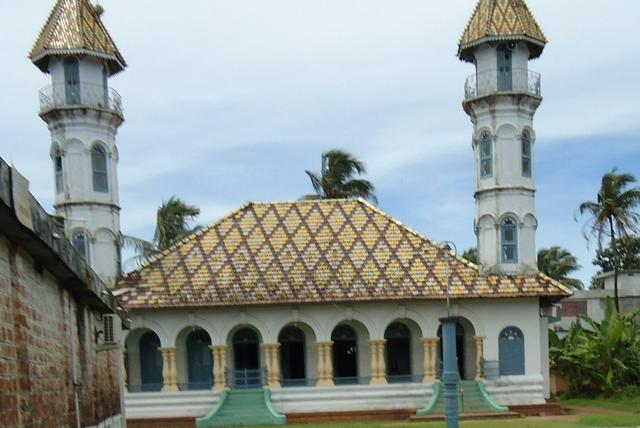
x: 585, y: 413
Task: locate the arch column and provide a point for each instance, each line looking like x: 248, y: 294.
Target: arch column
x: 325, y: 363
x: 272, y: 355
x: 479, y: 356
x: 378, y: 367
x: 219, y: 366
x: 430, y: 346
x: 169, y: 370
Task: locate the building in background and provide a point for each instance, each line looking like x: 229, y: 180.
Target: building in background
x: 60, y: 359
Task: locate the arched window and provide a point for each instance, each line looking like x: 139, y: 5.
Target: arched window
x: 509, y: 240
x: 80, y: 241
x: 72, y: 81
x: 526, y: 154
x: 150, y: 362
x: 486, y: 155
x: 511, y: 351
x: 99, y: 168
x: 57, y: 165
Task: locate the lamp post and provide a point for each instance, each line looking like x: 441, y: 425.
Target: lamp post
x: 450, y: 373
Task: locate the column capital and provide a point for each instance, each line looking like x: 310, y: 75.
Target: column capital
x: 218, y: 347
x: 376, y: 341
x: 327, y: 343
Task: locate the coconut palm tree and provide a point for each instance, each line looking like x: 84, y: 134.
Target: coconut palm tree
x: 172, y: 225
x: 336, y: 178
x: 613, y: 214
x: 558, y: 263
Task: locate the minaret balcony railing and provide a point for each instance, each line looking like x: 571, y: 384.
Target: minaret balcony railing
x: 495, y: 82
x: 80, y: 95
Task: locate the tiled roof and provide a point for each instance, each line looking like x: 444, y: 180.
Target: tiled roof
x: 74, y: 28
x: 312, y: 252
x: 496, y: 20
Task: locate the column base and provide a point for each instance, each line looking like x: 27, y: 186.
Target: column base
x: 325, y: 383
x: 429, y: 379
x: 378, y: 381
x: 170, y: 388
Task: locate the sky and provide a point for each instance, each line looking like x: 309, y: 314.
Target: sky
x: 231, y: 101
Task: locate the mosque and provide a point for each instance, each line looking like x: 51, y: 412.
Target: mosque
x: 315, y: 307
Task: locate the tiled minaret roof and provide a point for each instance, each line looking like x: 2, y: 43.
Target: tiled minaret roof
x: 74, y: 28
x: 501, y: 20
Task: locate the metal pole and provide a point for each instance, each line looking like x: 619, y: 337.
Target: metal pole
x: 450, y: 375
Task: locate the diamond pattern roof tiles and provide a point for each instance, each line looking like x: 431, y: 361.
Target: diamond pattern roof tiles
x: 501, y: 20
x: 313, y: 252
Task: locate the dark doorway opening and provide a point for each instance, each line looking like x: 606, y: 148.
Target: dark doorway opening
x: 398, y: 352
x: 150, y: 362
x: 246, y: 359
x: 199, y: 360
x: 345, y: 355
x: 292, y: 356
x: 460, y: 351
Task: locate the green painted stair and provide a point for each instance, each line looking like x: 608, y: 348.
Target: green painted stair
x: 239, y: 407
x: 472, y: 398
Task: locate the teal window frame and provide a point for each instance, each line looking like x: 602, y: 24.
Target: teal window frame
x: 509, y: 240
x: 486, y: 155
x: 527, y: 165
x: 99, y: 169
x: 80, y: 241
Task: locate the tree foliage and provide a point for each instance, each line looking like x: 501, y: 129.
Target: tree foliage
x: 628, y: 255
x: 598, y: 357
x: 613, y: 215
x: 336, y: 178
x: 173, y: 219
x: 558, y: 263
x: 471, y: 255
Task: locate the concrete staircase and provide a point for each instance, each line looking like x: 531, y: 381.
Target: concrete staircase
x: 240, y: 407
x: 472, y: 399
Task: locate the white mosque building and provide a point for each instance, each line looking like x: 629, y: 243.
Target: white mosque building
x: 315, y: 307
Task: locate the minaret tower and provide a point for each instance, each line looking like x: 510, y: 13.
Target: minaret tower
x: 83, y: 115
x: 501, y: 98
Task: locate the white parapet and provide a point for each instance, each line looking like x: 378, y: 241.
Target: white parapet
x: 351, y: 398
x: 517, y: 390
x: 145, y: 405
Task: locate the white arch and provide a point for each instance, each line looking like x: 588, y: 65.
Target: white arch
x: 198, y: 322
x: 289, y: 319
x: 530, y: 220
x: 352, y: 315
x: 248, y: 321
x: 464, y: 312
x: 143, y: 323
x: 404, y: 314
x: 506, y: 130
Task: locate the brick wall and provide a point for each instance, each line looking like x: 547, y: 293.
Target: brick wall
x: 48, y: 357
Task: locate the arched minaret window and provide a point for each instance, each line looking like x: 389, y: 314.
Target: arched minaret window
x: 526, y: 154
x: 99, y: 168
x: 509, y: 240
x: 486, y: 155
x: 57, y: 164
x: 72, y: 81
x: 80, y: 241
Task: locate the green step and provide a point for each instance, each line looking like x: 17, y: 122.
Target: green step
x: 472, y: 398
x: 238, y: 407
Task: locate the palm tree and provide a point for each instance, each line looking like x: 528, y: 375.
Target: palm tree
x: 558, y: 263
x: 335, y: 180
x: 613, y: 215
x: 172, y: 225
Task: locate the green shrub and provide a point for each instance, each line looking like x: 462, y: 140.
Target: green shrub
x: 599, y: 357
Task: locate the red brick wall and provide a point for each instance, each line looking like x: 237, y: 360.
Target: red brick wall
x: 47, y: 342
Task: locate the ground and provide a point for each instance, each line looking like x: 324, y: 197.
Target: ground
x: 582, y: 413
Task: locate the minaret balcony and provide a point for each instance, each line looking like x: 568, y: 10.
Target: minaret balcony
x: 80, y: 95
x: 493, y: 82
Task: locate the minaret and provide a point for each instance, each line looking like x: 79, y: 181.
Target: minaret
x: 501, y: 98
x: 83, y: 115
